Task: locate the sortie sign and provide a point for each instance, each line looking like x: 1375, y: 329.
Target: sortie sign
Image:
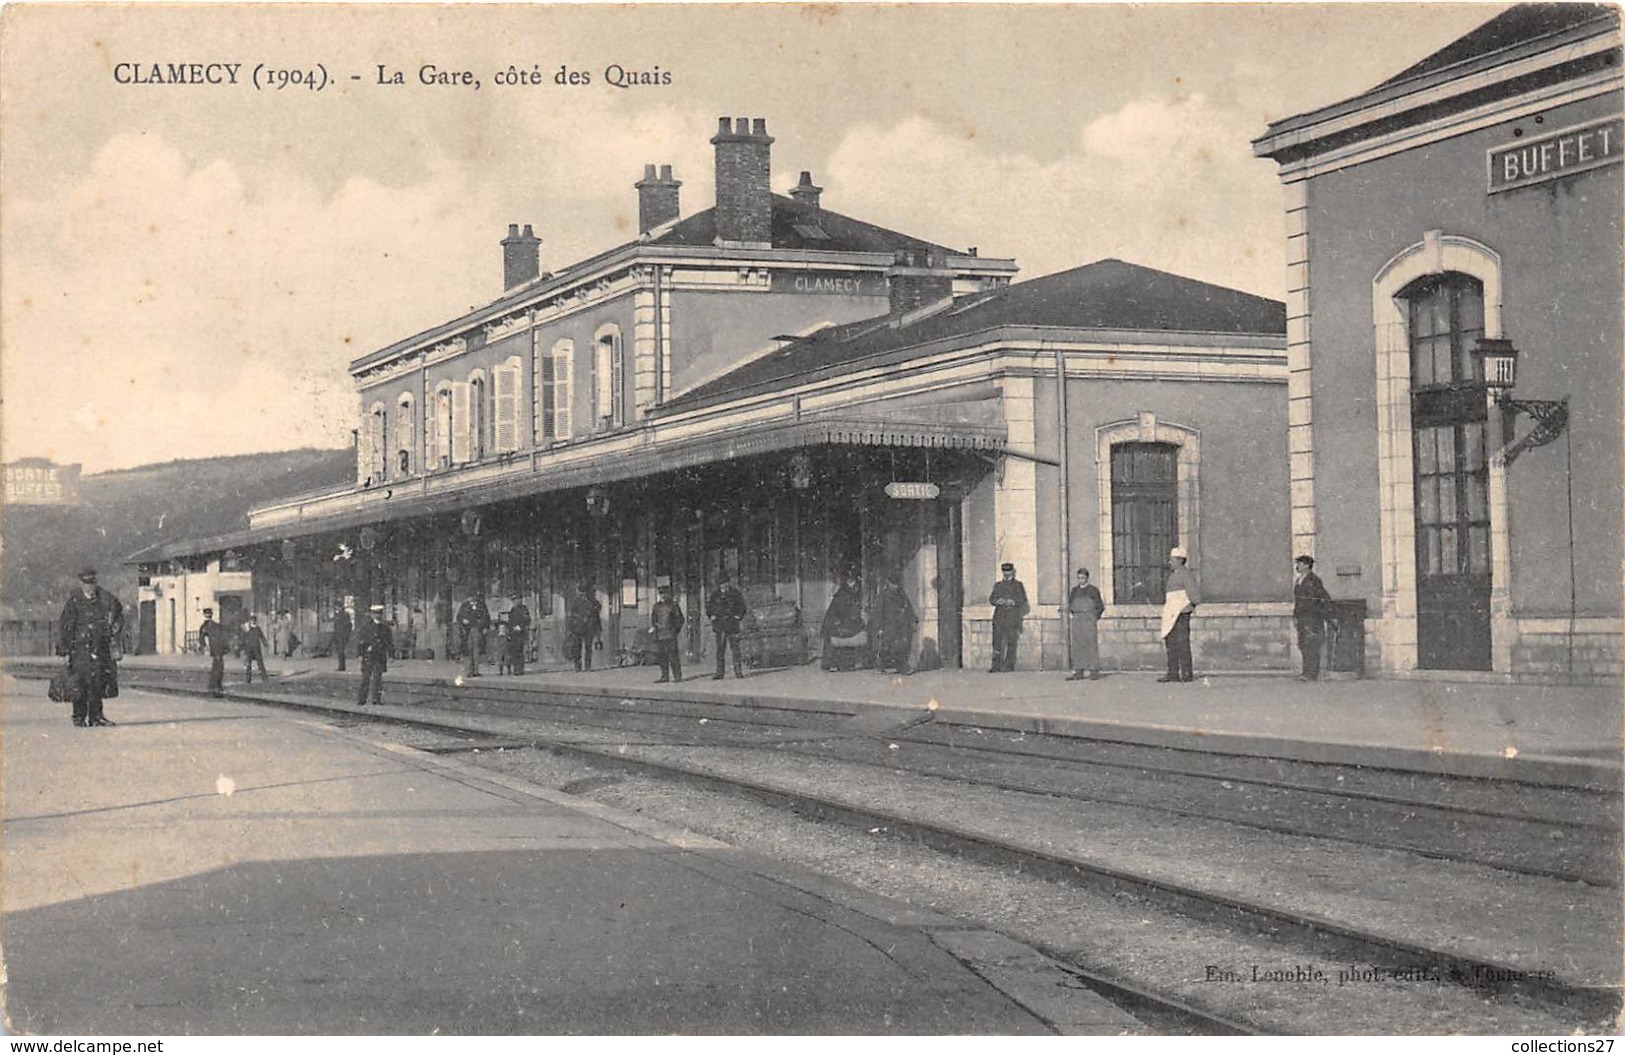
x: 912, y: 489
x: 1558, y: 154
x: 37, y: 482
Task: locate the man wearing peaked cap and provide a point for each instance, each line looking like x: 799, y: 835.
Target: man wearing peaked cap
x: 373, y: 643
x: 1009, y: 601
x: 90, y: 629
x: 212, y: 636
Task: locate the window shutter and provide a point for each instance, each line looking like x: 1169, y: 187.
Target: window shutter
x: 431, y: 433
x: 380, y: 445
x: 505, y: 384
x: 363, y: 451
x: 462, y: 421
x: 616, y: 395
x: 562, y: 423
x: 544, y: 381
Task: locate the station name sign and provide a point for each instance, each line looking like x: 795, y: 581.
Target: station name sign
x: 37, y: 482
x: 912, y: 489
x: 830, y: 283
x: 1562, y: 153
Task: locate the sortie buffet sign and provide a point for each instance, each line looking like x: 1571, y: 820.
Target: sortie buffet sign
x: 1556, y: 154
x: 37, y: 482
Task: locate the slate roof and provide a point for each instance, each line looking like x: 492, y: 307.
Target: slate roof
x: 1105, y: 295
x: 1518, y: 25
x: 796, y: 225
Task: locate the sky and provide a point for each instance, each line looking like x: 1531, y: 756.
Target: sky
x: 187, y: 269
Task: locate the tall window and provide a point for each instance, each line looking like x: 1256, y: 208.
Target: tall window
x: 1145, y: 519
x: 553, y: 380
x: 477, y: 415
x: 373, y: 446
x: 1446, y: 317
x: 405, y: 438
x: 443, y: 420
x: 606, y: 378
x: 505, y: 379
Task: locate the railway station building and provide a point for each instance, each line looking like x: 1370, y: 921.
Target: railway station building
x: 1454, y: 342
x: 779, y: 393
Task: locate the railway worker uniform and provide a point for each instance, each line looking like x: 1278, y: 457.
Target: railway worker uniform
x: 1009, y: 601
x: 374, y: 643
x: 666, y: 622
x: 212, y: 636
x: 1310, y: 606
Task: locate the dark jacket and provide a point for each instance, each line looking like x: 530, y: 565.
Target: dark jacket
x: 253, y: 640
x: 666, y: 620
x: 844, y: 617
x: 374, y: 642
x: 1084, y: 599
x: 581, y: 617
x: 518, y: 619
x: 341, y: 628
x: 90, y: 626
x: 894, y: 617
x: 473, y: 617
x: 1009, y: 601
x: 1311, y: 604
x: 726, y: 608
x: 212, y: 635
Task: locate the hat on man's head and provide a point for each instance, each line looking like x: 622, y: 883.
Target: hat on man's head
x: 1304, y: 558
x: 208, y: 611
x: 1178, y: 551
x: 87, y: 574
x: 1007, y: 566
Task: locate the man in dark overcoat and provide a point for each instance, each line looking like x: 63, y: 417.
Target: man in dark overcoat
x: 1311, y: 604
x: 582, y: 626
x: 473, y: 620
x: 518, y: 635
x: 1009, y: 601
x: 373, y: 644
x: 89, y: 635
x: 213, y: 637
x: 341, y: 632
x: 726, y: 608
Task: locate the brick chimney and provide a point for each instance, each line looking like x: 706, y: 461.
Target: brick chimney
x: 521, y: 257
x: 744, y: 213
x: 916, y: 280
x: 657, y: 197
x: 804, y: 192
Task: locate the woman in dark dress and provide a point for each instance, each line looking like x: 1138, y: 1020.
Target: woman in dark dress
x: 1086, y: 606
x: 845, y: 637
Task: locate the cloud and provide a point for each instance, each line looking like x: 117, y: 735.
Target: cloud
x: 1165, y: 181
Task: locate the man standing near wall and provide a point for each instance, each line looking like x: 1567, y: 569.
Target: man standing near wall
x: 341, y: 632
x: 374, y: 644
x: 473, y: 620
x: 1009, y: 601
x: 726, y: 608
x: 666, y: 622
x: 1177, y: 606
x: 518, y: 634
x: 1310, y: 605
x: 582, y: 626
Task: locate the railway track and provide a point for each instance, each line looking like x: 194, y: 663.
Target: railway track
x: 1011, y: 802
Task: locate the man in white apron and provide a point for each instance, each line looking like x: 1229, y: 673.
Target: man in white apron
x: 1177, y: 606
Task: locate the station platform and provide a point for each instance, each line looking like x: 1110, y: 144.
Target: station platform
x: 1569, y: 736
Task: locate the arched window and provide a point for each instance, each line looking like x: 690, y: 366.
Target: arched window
x: 372, y: 453
x: 405, y: 435
x: 1145, y: 519
x: 606, y: 378
x: 444, y: 420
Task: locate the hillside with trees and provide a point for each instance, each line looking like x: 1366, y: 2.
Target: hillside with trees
x: 120, y: 513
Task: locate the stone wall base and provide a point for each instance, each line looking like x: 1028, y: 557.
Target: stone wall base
x: 1223, y: 637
